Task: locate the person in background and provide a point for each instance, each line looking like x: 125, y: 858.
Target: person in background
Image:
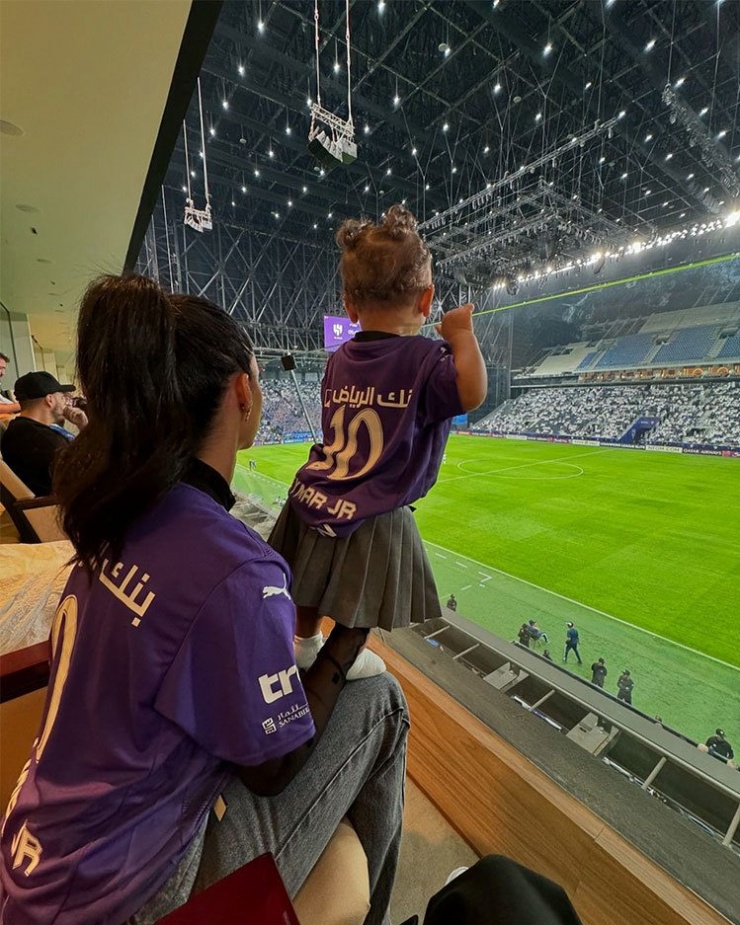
x: 523, y: 635
x: 178, y: 740
x: 536, y: 633
x: 388, y: 398
x: 719, y: 747
x: 452, y: 603
x: 598, y: 672
x: 571, y: 642
x: 546, y: 654
x: 8, y: 405
x: 32, y: 440
x: 625, y: 684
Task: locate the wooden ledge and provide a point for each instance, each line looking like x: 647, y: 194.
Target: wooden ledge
x: 24, y: 670
x: 500, y: 803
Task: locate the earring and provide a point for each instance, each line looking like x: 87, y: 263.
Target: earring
x: 242, y: 407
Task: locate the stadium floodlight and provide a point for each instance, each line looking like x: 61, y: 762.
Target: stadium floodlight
x: 331, y: 139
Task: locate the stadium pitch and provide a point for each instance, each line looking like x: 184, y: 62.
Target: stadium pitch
x: 638, y: 549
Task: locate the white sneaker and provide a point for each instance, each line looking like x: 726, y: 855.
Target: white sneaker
x: 366, y: 665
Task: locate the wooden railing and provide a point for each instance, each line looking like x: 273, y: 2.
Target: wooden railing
x: 501, y: 803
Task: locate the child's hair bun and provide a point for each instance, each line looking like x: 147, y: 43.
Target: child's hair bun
x: 351, y: 231
x: 399, y: 222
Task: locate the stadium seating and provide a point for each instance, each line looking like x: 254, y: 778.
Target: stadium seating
x: 586, y: 361
x: 282, y: 414
x: 627, y: 351
x: 707, y: 413
x: 664, y: 339
x: 730, y: 349
x: 687, y: 345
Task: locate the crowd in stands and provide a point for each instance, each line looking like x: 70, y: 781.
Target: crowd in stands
x: 282, y: 413
x: 701, y: 414
x: 707, y: 413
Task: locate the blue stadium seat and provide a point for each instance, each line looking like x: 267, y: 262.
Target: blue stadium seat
x: 587, y: 360
x: 690, y: 344
x: 627, y: 351
x: 731, y: 348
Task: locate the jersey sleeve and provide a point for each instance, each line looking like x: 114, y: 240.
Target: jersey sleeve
x: 441, y: 398
x: 234, y: 686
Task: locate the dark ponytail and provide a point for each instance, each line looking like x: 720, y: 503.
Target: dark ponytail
x: 153, y: 368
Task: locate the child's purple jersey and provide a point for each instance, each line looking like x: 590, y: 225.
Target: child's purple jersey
x: 175, y: 661
x: 387, y: 409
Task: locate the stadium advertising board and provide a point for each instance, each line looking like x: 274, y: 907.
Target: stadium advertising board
x: 337, y: 330
x: 699, y: 450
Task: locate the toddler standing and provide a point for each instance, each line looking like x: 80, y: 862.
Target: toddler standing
x: 388, y: 398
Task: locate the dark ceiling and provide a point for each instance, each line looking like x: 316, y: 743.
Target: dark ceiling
x: 555, y: 111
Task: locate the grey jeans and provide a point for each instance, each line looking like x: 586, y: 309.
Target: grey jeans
x: 357, y: 770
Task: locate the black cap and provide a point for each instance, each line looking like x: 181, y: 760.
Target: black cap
x: 720, y: 733
x: 38, y: 385
x: 569, y: 624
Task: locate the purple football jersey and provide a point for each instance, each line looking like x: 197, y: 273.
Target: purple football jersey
x: 172, y: 663
x: 387, y: 409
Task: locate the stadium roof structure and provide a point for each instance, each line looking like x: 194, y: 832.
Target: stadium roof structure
x: 519, y: 131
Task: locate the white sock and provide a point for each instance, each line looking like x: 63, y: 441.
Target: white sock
x: 366, y: 665
x: 306, y: 649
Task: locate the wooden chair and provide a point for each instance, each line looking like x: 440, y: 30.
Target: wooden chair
x: 34, y: 518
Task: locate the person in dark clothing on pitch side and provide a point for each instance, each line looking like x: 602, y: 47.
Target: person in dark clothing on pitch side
x: 625, y: 684
x: 523, y: 635
x: 571, y: 643
x: 598, y: 672
x: 452, y: 603
x: 719, y: 747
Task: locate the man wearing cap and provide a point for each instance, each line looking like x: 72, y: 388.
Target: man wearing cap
x: 719, y: 747
x: 571, y: 642
x: 32, y: 440
x: 8, y: 405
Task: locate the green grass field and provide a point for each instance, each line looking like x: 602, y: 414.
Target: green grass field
x: 638, y: 549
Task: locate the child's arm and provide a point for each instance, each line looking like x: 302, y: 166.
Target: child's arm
x: 472, y: 380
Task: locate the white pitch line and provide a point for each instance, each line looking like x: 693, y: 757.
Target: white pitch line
x: 484, y: 580
x: 542, y: 462
x: 563, y: 597
x: 261, y: 475
x: 602, y: 613
x: 466, y: 587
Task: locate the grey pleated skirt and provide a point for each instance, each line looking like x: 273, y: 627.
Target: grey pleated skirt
x: 379, y: 575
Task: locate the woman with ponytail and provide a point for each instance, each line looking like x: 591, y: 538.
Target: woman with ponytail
x: 173, y: 685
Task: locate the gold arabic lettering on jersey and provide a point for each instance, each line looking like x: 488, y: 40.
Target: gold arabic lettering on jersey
x: 119, y: 588
x: 352, y: 397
